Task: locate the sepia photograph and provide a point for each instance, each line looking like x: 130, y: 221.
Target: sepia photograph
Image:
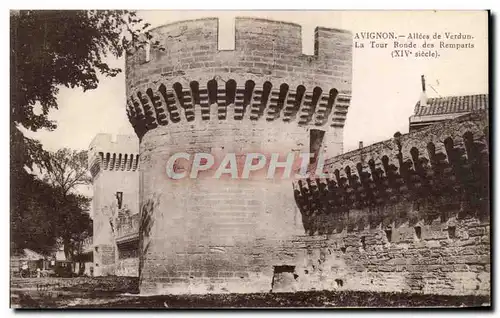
x: 250, y: 159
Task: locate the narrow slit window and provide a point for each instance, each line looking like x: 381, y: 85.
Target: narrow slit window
x: 119, y: 199
x: 388, y: 234
x: 363, y: 242
x: 315, y: 142
x: 418, y: 232
x: 452, y: 232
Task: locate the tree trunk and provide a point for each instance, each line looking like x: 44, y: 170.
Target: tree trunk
x: 67, y: 249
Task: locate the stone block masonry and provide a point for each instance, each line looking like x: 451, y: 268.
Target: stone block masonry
x: 264, y: 49
x: 265, y: 77
x: 426, y: 230
x: 407, y: 214
x: 265, y: 96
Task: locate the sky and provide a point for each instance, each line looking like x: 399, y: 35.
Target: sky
x: 384, y: 89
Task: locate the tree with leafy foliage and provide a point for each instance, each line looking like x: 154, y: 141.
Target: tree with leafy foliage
x: 71, y: 222
x: 32, y: 214
x: 65, y: 170
x: 49, y: 50
x: 44, y: 214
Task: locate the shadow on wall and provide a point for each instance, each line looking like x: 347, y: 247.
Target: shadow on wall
x: 145, y: 225
x: 366, y: 188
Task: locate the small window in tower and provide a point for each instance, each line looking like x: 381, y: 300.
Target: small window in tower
x: 315, y: 143
x: 388, y: 234
x: 119, y: 199
x: 418, y: 232
x: 363, y: 242
x: 452, y: 232
x: 339, y: 282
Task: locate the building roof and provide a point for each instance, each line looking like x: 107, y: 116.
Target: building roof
x: 452, y: 104
x: 27, y: 254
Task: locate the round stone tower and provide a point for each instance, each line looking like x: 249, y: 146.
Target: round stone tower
x: 206, y: 235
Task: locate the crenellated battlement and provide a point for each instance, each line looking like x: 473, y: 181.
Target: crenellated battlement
x: 460, y: 133
x: 114, y: 162
x: 230, y: 100
x: 252, y: 35
x: 113, y: 153
x: 450, y: 158
x: 266, y: 76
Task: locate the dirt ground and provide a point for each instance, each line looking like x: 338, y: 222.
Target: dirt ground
x: 109, y: 293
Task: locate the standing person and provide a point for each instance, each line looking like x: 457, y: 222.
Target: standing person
x: 24, y: 269
x: 38, y: 272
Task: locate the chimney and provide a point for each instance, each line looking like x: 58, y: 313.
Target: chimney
x: 360, y: 145
x: 423, y: 95
x: 147, y: 50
